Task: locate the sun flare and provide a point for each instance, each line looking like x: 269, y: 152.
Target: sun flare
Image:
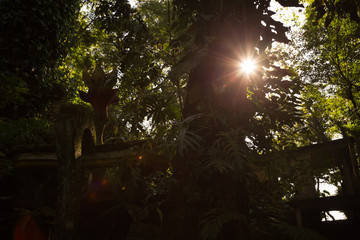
x: 248, y: 66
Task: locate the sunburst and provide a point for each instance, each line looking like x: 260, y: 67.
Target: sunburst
x: 248, y: 66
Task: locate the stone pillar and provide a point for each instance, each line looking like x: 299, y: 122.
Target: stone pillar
x: 69, y: 179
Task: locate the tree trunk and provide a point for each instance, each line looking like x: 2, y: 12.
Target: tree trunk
x: 216, y: 90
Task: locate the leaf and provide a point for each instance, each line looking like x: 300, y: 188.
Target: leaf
x: 187, y: 140
x: 232, y: 144
x: 213, y: 161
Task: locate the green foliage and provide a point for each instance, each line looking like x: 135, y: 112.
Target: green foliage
x: 35, y: 35
x: 12, y: 91
x: 135, y: 46
x: 160, y: 109
x: 23, y: 131
x: 327, y: 59
x: 330, y: 10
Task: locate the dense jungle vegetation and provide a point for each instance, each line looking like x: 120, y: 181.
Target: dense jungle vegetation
x: 225, y: 132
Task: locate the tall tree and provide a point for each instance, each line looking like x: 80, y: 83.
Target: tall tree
x: 231, y: 116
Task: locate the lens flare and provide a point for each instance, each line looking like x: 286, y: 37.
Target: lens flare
x: 248, y: 66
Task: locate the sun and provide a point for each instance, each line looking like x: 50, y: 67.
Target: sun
x: 248, y: 66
